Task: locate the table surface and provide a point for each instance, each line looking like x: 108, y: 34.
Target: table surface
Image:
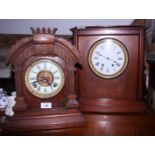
x: 131, y: 124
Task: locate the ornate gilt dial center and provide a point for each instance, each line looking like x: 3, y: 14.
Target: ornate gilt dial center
x: 45, y: 78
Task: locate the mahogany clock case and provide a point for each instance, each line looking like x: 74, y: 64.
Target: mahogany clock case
x: 29, y: 115
x: 123, y: 93
x: 22, y: 57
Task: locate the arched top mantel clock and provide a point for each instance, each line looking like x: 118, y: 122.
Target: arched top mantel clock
x: 45, y: 74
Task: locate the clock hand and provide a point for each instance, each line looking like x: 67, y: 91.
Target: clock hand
x: 114, y: 61
x: 102, y: 56
x: 108, y: 59
x: 37, y: 81
x: 45, y: 78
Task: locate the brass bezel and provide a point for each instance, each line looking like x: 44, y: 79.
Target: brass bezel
x: 118, y: 72
x: 41, y: 95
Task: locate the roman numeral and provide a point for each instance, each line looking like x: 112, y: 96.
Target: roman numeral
x: 51, y: 87
x: 97, y: 63
x: 55, y: 72
x: 118, y: 52
x: 95, y: 57
x: 45, y: 65
x: 120, y: 58
x: 117, y: 64
x: 55, y: 85
x: 32, y: 78
x: 114, y: 47
x: 113, y: 69
x: 45, y: 90
x: 107, y: 70
x: 102, y: 47
x: 39, y: 68
x: 101, y: 68
x: 97, y: 52
x: 56, y: 77
x: 39, y: 88
x: 34, y: 84
x: 34, y: 72
x: 51, y: 68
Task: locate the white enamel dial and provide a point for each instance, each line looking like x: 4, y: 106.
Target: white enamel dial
x: 108, y: 58
x: 44, y: 78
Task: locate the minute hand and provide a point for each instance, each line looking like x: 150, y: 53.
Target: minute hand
x: 37, y: 80
x: 108, y: 58
x: 44, y: 80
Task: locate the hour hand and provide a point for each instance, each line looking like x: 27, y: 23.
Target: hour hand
x: 34, y: 83
x: 108, y: 59
x: 47, y: 81
x: 37, y: 80
x: 100, y: 54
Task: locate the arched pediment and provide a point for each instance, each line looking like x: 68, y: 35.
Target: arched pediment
x: 43, y: 42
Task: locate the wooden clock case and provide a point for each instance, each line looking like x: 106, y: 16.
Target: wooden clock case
x: 120, y: 94
x: 65, y: 110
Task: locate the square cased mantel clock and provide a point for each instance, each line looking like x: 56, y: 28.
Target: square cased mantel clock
x: 112, y: 75
x: 45, y: 75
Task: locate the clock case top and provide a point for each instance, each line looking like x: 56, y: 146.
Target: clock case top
x: 123, y: 93
x: 65, y: 112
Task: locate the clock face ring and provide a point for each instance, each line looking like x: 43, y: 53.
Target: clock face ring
x: 44, y: 78
x: 108, y: 58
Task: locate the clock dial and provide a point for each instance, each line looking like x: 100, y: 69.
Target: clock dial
x: 108, y: 58
x: 44, y: 78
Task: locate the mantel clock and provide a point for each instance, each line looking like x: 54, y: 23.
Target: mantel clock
x: 45, y: 74
x: 112, y: 75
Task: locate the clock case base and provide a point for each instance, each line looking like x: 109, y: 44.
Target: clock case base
x: 112, y: 106
x: 50, y: 120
